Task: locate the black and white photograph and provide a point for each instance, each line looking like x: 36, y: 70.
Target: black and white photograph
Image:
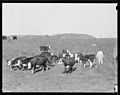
x: 59, y: 47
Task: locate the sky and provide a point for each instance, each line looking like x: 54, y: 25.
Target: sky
x: 98, y: 20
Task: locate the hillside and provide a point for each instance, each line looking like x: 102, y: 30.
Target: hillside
x: 73, y: 36
x: 81, y: 79
x: 62, y: 36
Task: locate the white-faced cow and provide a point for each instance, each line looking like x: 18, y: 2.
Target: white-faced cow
x: 68, y: 64
x: 87, y: 58
x: 15, y: 63
x: 68, y: 59
x: 64, y: 53
x: 44, y: 49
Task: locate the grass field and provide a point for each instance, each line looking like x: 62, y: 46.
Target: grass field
x: 99, y: 79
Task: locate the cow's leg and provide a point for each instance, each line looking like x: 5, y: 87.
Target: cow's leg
x: 20, y: 66
x: 84, y: 65
x: 14, y: 67
x: 26, y: 67
x: 70, y: 69
x: 94, y: 61
x: 67, y: 69
x: 29, y: 66
x: 33, y: 69
x: 23, y: 68
x: 60, y: 61
x: 43, y: 69
x: 64, y: 70
x: 11, y: 68
x: 90, y: 63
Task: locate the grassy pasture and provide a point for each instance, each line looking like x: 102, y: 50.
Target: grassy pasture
x: 99, y: 79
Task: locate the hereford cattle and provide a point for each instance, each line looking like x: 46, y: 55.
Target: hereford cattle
x: 87, y: 58
x: 67, y: 53
x: 41, y: 61
x: 44, y: 48
x: 12, y: 37
x: 48, y: 54
x: 68, y: 64
x: 82, y: 58
x: 4, y: 37
x: 15, y: 63
x: 25, y: 63
x: 100, y: 57
x: 62, y: 55
x: 64, y: 51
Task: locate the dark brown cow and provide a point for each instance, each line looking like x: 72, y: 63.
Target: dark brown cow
x: 41, y: 61
x: 68, y: 64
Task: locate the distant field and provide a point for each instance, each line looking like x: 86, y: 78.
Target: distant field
x: 101, y: 79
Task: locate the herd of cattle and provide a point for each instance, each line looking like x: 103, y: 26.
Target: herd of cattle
x: 46, y: 60
x: 14, y: 37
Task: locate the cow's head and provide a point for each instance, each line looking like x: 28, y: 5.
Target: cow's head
x: 52, y: 54
x: 76, y: 56
x: 19, y: 62
x: 60, y: 61
x: 68, y: 51
x: 71, y: 54
x: 9, y: 62
x: 64, y: 54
